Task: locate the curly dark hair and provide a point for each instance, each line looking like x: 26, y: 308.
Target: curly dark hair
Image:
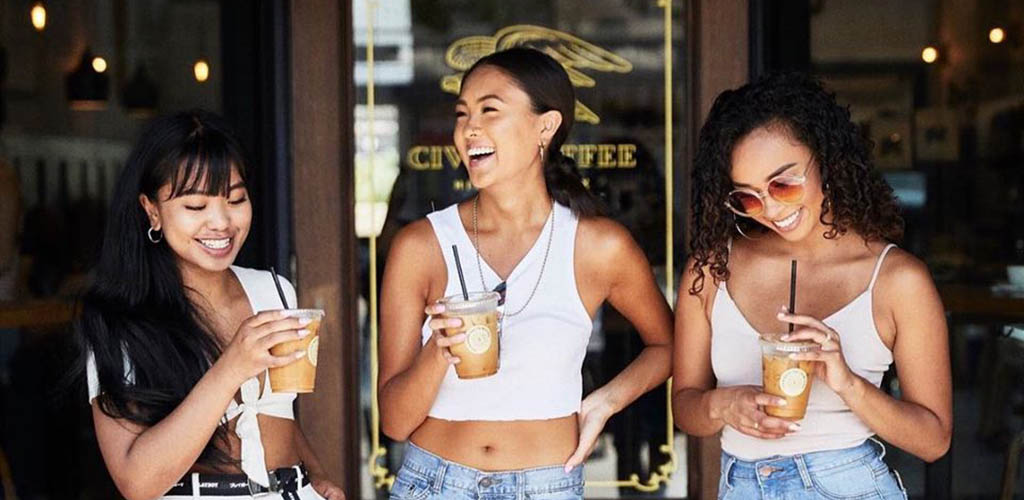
x: 856, y: 195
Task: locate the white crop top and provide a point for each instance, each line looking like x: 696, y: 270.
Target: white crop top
x: 542, y: 349
x: 259, y: 288
x: 829, y: 424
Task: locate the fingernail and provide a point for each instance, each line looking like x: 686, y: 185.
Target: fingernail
x: 303, y: 332
x: 304, y: 321
x: 781, y: 402
x: 786, y: 337
x: 568, y: 469
x: 454, y: 322
x: 300, y: 354
x: 794, y: 427
x: 781, y: 315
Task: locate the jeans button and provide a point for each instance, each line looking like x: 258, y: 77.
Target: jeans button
x: 765, y: 471
x: 485, y: 482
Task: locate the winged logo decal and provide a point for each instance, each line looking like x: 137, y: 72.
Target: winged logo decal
x: 575, y: 55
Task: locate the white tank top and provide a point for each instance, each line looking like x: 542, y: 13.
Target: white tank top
x: 542, y: 348
x: 829, y: 424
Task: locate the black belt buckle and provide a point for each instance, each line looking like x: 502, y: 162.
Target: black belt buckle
x: 258, y: 490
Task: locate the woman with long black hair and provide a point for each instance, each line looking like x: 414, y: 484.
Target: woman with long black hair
x: 535, y: 231
x: 175, y: 338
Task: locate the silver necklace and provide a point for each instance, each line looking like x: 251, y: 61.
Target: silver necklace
x: 501, y: 286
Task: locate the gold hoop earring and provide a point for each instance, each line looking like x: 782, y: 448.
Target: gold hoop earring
x: 739, y: 230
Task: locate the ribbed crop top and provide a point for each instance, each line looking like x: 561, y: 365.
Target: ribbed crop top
x: 542, y: 348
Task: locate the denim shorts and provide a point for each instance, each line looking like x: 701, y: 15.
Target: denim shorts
x: 427, y: 476
x: 850, y: 473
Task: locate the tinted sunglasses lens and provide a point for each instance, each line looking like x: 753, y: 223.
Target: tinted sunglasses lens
x: 745, y: 203
x: 787, y: 190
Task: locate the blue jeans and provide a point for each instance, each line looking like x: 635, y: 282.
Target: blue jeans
x: 426, y: 476
x: 850, y: 473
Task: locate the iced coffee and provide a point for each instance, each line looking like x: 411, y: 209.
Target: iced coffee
x: 787, y: 378
x: 298, y: 376
x: 479, y: 353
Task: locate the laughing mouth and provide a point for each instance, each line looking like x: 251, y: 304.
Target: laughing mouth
x: 481, y: 152
x: 218, y: 244
x: 788, y: 222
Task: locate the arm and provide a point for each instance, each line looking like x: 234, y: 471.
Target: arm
x: 145, y: 462
x: 922, y: 421
x: 632, y: 290
x: 630, y: 287
x: 698, y: 407
x: 410, y: 373
x: 317, y: 475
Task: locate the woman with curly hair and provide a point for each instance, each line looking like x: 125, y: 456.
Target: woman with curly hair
x: 782, y: 174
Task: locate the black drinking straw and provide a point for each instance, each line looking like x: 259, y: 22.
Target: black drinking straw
x: 280, y: 291
x: 462, y: 279
x: 792, y: 291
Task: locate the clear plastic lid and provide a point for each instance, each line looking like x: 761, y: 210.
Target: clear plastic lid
x: 774, y: 342
x: 479, y: 302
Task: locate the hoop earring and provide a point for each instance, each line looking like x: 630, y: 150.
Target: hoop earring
x: 737, y: 224
x: 152, y: 239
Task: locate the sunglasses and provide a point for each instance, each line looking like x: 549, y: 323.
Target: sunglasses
x: 787, y: 189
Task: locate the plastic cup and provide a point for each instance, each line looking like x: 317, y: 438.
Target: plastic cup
x: 300, y: 375
x: 479, y: 354
x: 787, y: 378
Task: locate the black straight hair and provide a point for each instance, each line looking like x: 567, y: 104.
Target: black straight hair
x: 548, y: 86
x: 150, y: 341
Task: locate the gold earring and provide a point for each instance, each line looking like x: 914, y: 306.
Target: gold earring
x: 540, y: 147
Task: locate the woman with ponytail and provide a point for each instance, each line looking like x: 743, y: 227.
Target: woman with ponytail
x: 175, y: 338
x: 535, y: 232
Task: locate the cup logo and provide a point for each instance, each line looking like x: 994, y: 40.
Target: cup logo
x: 478, y: 339
x: 793, y: 382
x: 313, y: 349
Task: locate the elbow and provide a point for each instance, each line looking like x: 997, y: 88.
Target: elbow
x: 137, y: 492
x: 395, y: 430
x: 940, y: 447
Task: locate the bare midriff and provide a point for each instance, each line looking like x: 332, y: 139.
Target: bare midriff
x: 500, y: 445
x: 278, y: 444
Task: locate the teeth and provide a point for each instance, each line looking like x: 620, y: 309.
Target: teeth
x: 216, y: 244
x: 480, y: 151
x: 787, y: 222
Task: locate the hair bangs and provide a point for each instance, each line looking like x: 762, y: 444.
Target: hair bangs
x: 204, y: 166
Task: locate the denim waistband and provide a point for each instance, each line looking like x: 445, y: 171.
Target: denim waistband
x: 438, y: 471
x: 793, y: 465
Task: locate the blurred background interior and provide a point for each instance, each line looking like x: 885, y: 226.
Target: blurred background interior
x: 938, y: 85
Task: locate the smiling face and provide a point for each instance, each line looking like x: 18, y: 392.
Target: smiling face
x: 497, y: 132
x: 205, y: 231
x: 767, y: 153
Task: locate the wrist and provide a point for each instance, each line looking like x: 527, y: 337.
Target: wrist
x: 853, y: 391
x: 712, y: 400
x: 601, y: 401
x: 223, y: 374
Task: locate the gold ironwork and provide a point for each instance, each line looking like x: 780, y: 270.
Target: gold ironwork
x: 575, y: 55
x: 381, y: 475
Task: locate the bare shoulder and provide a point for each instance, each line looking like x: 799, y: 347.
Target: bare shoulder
x: 604, y: 238
x: 416, y: 239
x: 905, y: 285
x: 902, y: 272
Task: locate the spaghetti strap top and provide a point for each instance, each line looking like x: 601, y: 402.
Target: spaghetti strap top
x: 829, y: 424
